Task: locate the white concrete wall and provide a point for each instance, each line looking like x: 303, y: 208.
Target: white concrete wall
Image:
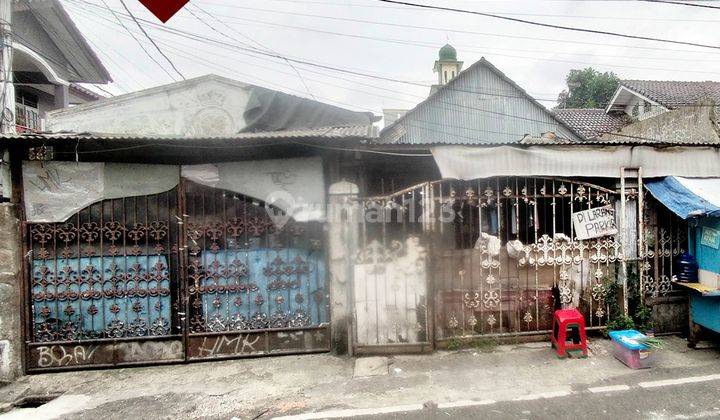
x: 206, y: 106
x: 10, y: 294
x: 343, y: 236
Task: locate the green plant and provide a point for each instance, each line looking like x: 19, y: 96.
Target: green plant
x: 641, y: 314
x: 617, y: 318
x: 622, y: 322
x: 644, y: 318
x: 485, y: 345
x: 652, y: 342
x: 454, y: 344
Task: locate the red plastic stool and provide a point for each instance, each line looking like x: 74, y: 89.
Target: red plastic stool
x: 569, y: 332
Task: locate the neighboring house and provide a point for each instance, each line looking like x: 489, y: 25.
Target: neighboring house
x: 50, y: 58
x: 206, y: 106
x: 665, y: 107
x: 481, y: 105
x: 642, y: 99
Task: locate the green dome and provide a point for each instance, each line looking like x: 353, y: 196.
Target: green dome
x: 448, y: 53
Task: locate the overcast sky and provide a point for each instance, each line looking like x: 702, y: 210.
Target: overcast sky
x: 400, y: 42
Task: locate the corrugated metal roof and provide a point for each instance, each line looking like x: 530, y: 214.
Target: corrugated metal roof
x: 480, y: 106
x: 591, y: 122
x: 329, y: 133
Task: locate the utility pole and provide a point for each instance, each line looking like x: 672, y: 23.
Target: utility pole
x: 7, y: 96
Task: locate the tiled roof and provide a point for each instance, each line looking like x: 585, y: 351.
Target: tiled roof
x: 672, y: 94
x: 591, y: 123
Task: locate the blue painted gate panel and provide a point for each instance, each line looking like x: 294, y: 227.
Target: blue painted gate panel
x: 101, y: 297
x: 263, y: 288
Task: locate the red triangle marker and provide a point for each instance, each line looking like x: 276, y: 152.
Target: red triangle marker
x: 164, y: 9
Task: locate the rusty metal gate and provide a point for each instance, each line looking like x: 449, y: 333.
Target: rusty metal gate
x: 104, y: 286
x: 665, y: 238
x: 254, y: 286
x: 192, y: 273
x: 664, y: 241
x: 484, y: 258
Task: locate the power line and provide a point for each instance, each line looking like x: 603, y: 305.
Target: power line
x: 680, y: 3
x: 437, y: 45
x: 137, y: 40
x: 238, y: 146
x: 197, y: 59
x: 450, y: 30
x: 103, y: 49
x: 424, y: 127
x: 252, y: 40
x: 471, y: 49
x: 384, y: 7
x: 150, y: 39
x: 551, y: 123
x: 201, y: 38
x: 195, y: 37
x: 104, y: 90
x: 552, y: 26
x: 508, y: 55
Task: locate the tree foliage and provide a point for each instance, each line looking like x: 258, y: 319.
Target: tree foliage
x: 588, y: 88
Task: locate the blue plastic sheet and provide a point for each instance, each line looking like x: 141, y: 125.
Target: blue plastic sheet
x: 679, y: 199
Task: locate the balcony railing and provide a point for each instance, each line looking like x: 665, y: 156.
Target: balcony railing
x: 26, y: 118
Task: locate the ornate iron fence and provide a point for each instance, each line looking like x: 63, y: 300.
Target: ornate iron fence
x: 502, y: 254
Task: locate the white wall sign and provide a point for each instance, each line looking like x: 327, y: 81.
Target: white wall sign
x: 710, y: 237
x: 595, y: 223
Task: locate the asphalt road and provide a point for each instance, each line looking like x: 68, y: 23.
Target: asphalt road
x: 681, y: 401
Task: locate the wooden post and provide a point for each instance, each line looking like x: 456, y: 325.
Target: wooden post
x: 623, y: 230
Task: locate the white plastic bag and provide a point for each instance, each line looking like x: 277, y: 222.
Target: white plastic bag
x: 514, y: 249
x: 492, y: 244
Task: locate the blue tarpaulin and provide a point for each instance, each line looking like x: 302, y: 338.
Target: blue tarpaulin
x: 687, y: 197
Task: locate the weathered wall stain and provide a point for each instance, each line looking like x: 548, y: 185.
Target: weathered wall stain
x: 685, y: 125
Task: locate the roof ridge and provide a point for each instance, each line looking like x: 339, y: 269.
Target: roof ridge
x: 578, y: 109
x: 671, y: 81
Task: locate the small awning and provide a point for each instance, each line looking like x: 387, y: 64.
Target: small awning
x: 687, y: 197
